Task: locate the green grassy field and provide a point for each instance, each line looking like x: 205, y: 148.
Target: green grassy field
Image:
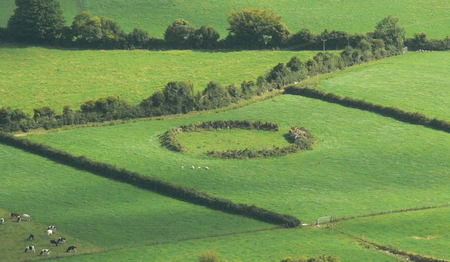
x: 421, y: 232
x: 198, y: 143
x: 350, y: 15
x: 96, y: 214
x: 32, y: 77
x: 413, y: 82
x: 260, y: 246
x: 362, y: 162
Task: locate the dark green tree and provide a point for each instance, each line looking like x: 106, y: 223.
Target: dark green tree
x: 256, y: 28
x: 206, y: 38
x: 138, y: 38
x: 391, y: 32
x: 179, y: 97
x: 214, y: 96
x: 97, y: 31
x: 36, y: 21
x: 178, y: 33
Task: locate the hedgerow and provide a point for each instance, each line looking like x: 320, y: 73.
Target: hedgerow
x: 299, y: 137
x: 149, y: 183
x: 415, y: 118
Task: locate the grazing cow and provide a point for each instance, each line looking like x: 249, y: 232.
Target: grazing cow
x: 71, y: 248
x: 207, y: 167
x: 61, y: 240
x: 54, y: 242
x: 29, y: 249
x: 15, y: 214
x: 193, y: 167
x: 2, y: 220
x: 50, y: 232
x: 44, y: 252
x: 31, y: 237
x: 19, y: 218
x: 27, y: 217
x: 182, y: 167
x: 199, y: 167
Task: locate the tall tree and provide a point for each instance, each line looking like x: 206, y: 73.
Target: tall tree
x: 391, y: 32
x: 256, y: 28
x: 36, y: 21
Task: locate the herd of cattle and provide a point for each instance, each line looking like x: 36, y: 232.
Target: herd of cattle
x: 51, y: 230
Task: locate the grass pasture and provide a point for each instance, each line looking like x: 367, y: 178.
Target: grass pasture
x: 14, y: 239
x: 97, y: 213
x: 424, y: 232
x: 198, y: 143
x: 33, y: 77
x: 349, y: 15
x: 416, y: 82
x: 260, y: 246
x: 362, y: 163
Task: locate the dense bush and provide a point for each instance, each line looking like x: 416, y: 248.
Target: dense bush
x: 415, y: 118
x: 256, y: 28
x: 420, y: 41
x: 149, y: 183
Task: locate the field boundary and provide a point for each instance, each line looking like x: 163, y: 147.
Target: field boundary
x: 153, y: 184
x: 394, y: 251
x: 415, y: 118
x: 393, y: 211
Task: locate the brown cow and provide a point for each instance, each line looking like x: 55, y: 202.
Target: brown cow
x: 15, y: 215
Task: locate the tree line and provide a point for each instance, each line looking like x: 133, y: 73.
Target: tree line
x: 180, y: 98
x: 42, y: 22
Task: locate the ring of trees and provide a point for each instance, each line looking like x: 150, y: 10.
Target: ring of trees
x: 299, y: 138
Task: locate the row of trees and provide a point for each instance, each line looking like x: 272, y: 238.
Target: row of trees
x: 42, y: 21
x: 180, y: 98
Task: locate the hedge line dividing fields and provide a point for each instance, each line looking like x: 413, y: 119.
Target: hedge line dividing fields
x: 150, y: 183
x: 414, y: 118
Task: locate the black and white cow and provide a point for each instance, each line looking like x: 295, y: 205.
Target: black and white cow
x: 19, y: 218
x: 51, y: 228
x: 54, y: 242
x: 44, y: 252
x: 71, y: 248
x: 2, y: 220
x: 61, y: 240
x: 31, y: 237
x: 29, y: 249
x: 50, y: 232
